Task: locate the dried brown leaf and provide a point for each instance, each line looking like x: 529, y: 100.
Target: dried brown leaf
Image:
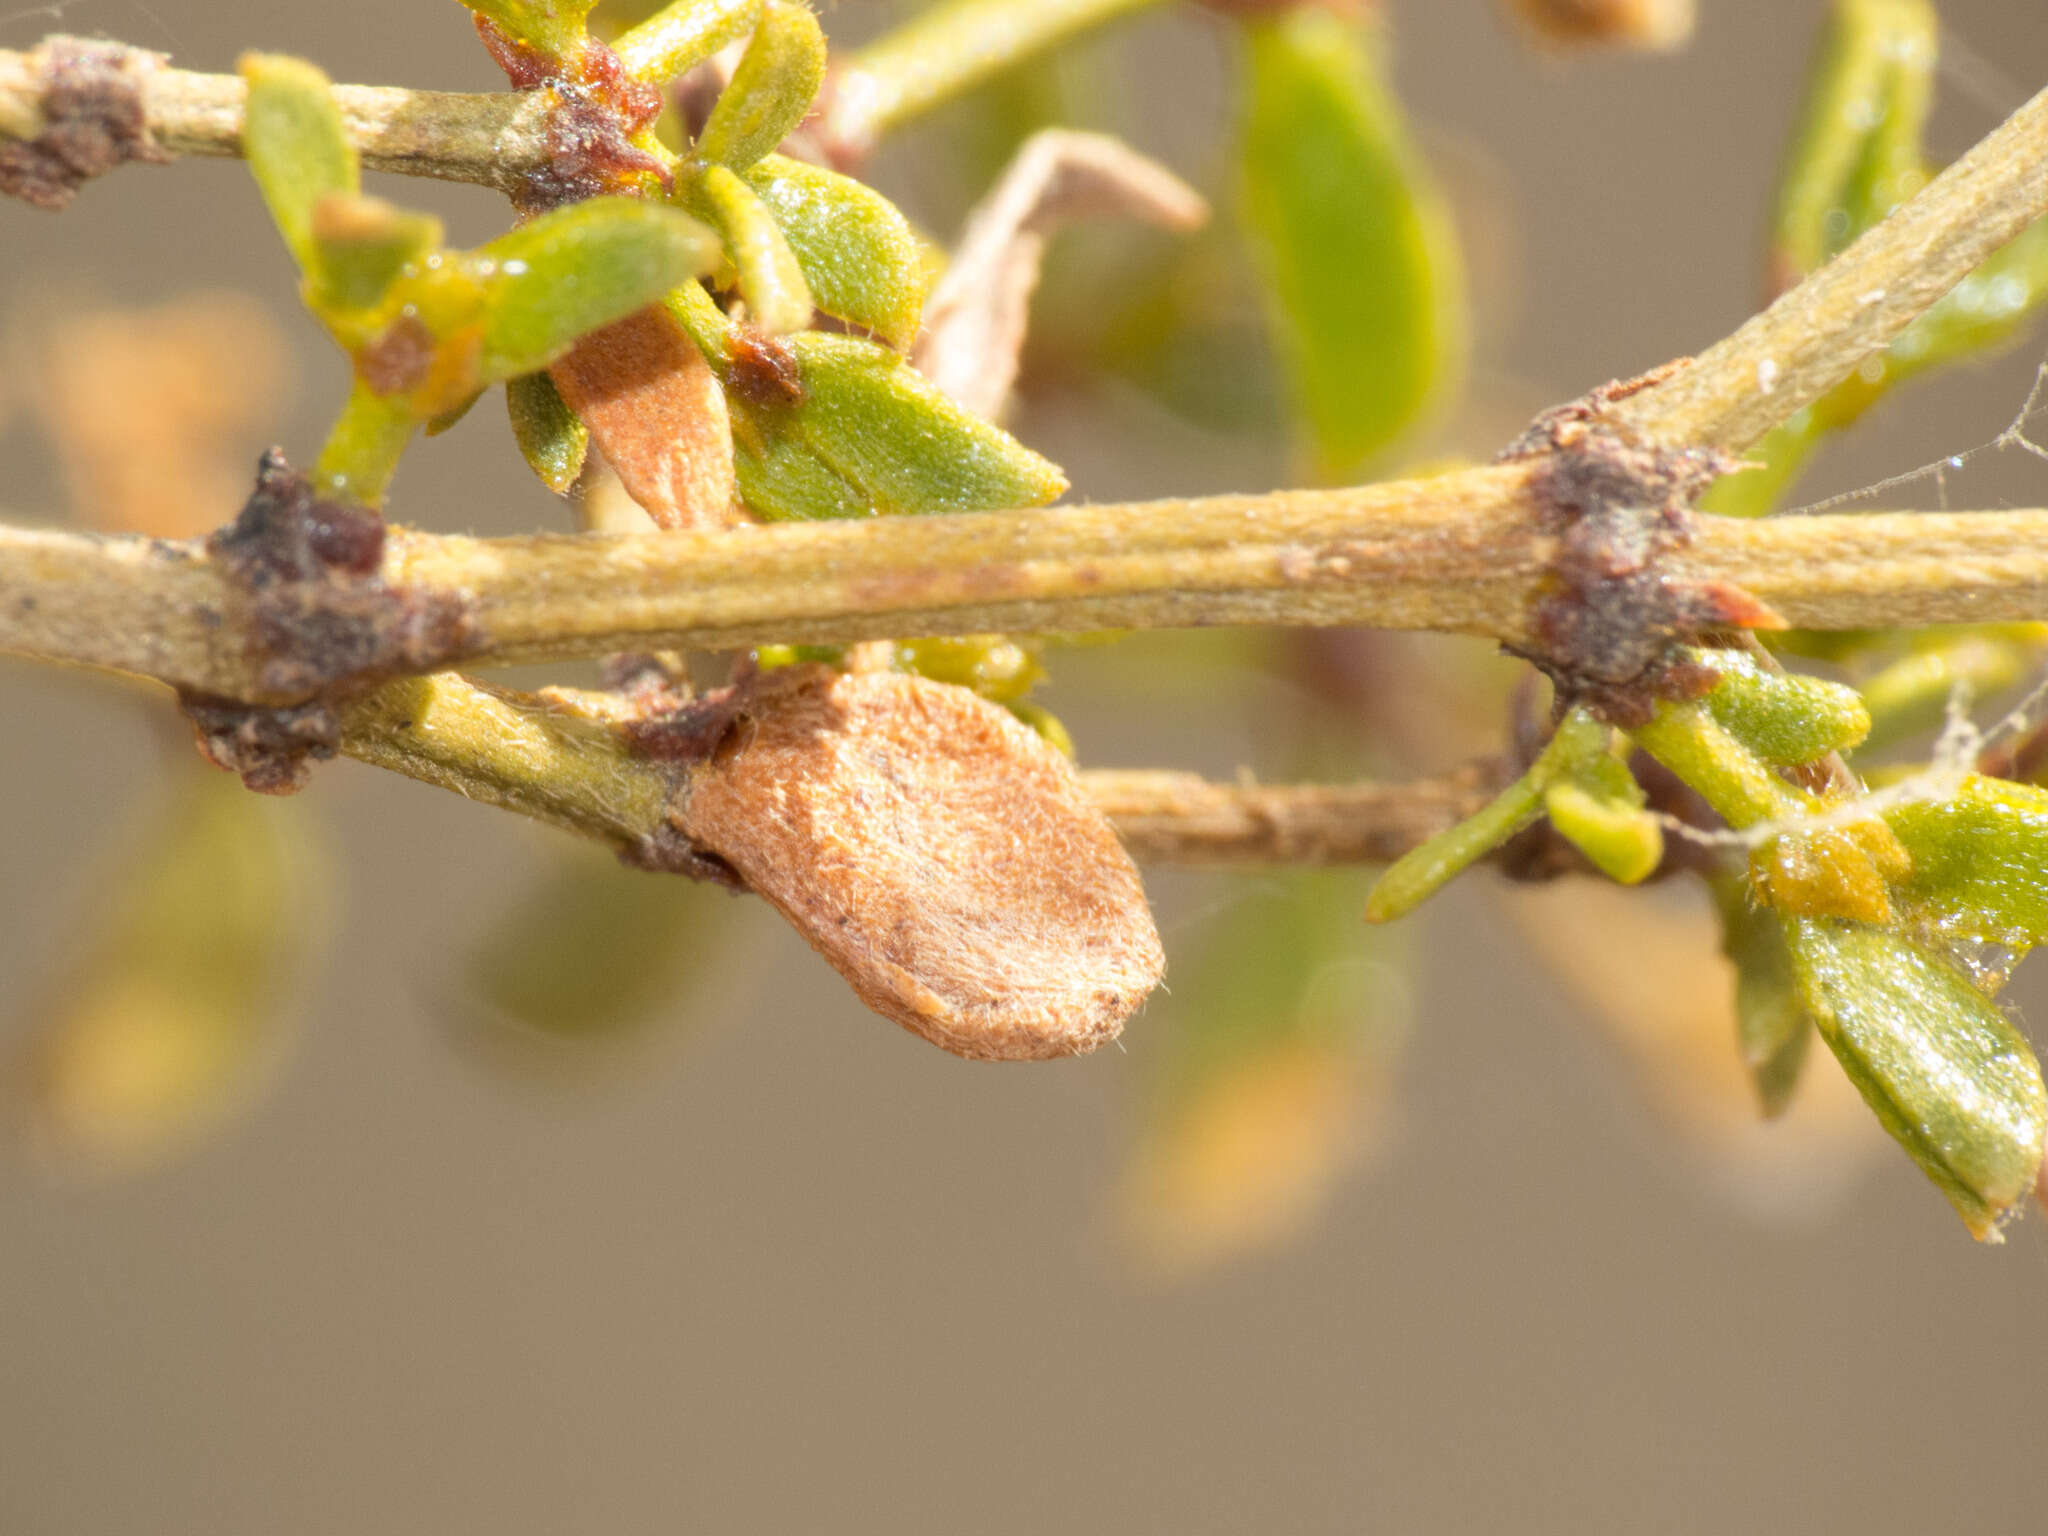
x: 938, y: 853
x: 975, y: 320
x: 657, y: 413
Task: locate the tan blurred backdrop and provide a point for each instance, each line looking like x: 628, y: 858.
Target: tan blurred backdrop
x: 774, y: 1265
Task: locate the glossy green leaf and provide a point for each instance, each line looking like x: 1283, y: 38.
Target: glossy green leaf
x: 770, y: 279
x: 679, y: 37
x: 1773, y: 1028
x: 1361, y: 267
x: 363, y: 246
x: 552, y: 439
x: 592, y: 950
x: 871, y: 435
x: 864, y: 263
x: 1945, y: 1071
x: 1783, y: 717
x: 1980, y: 862
x: 576, y: 270
x: 770, y: 91
x: 1597, y: 806
x: 552, y: 27
x: 297, y: 149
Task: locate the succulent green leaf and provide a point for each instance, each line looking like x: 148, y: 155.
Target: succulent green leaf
x: 871, y: 435
x: 679, y: 37
x: 770, y: 91
x: 363, y: 245
x: 552, y: 27
x: 297, y: 149
x: 1361, y: 266
x: 1980, y: 862
x: 576, y: 270
x: 864, y: 263
x: 1719, y: 766
x: 770, y: 279
x: 1597, y: 807
x: 1421, y: 872
x: 552, y: 438
x: 1945, y: 1071
x: 1783, y: 717
x: 1773, y: 1027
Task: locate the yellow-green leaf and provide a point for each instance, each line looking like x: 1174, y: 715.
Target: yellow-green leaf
x: 770, y: 279
x: 363, y: 245
x: 552, y: 27
x: 864, y: 263
x: 679, y: 37
x: 576, y: 270
x: 297, y: 149
x: 1980, y: 862
x: 770, y: 91
x: 871, y: 435
x: 1784, y: 717
x: 1945, y: 1071
x: 1360, y: 263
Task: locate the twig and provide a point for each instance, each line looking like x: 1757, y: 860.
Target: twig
x: 519, y: 752
x: 1817, y: 334
x: 495, y: 140
x: 1453, y: 553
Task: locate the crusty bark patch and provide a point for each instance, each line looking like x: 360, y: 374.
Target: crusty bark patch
x: 938, y: 853
x: 93, y: 121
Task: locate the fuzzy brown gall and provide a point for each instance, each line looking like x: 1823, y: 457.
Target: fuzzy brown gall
x: 938, y: 853
x: 656, y: 412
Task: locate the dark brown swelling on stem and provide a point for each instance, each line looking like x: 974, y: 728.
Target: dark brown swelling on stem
x: 90, y: 102
x: 1611, y: 618
x: 320, y: 621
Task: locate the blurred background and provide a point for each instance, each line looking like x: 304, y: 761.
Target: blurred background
x: 1473, y: 1228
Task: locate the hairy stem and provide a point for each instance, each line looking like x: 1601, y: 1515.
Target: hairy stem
x: 1455, y: 553
x: 1816, y: 335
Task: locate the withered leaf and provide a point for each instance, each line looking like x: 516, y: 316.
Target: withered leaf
x: 657, y: 412
x: 938, y: 853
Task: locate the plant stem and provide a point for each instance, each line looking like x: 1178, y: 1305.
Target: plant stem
x: 519, y: 752
x: 509, y: 750
x: 950, y: 49
x: 1816, y: 335
x: 363, y: 448
x: 1455, y: 553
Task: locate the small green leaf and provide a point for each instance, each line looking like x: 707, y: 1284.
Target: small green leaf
x: 363, y: 245
x: 1980, y: 862
x: 1945, y: 1071
x: 1783, y: 717
x: 1361, y: 266
x: 864, y: 263
x: 1773, y: 1027
x: 770, y: 279
x: 552, y: 437
x: 871, y: 435
x: 771, y: 90
x: 1597, y: 806
x: 576, y: 270
x: 679, y: 37
x: 552, y: 27
x: 296, y: 146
